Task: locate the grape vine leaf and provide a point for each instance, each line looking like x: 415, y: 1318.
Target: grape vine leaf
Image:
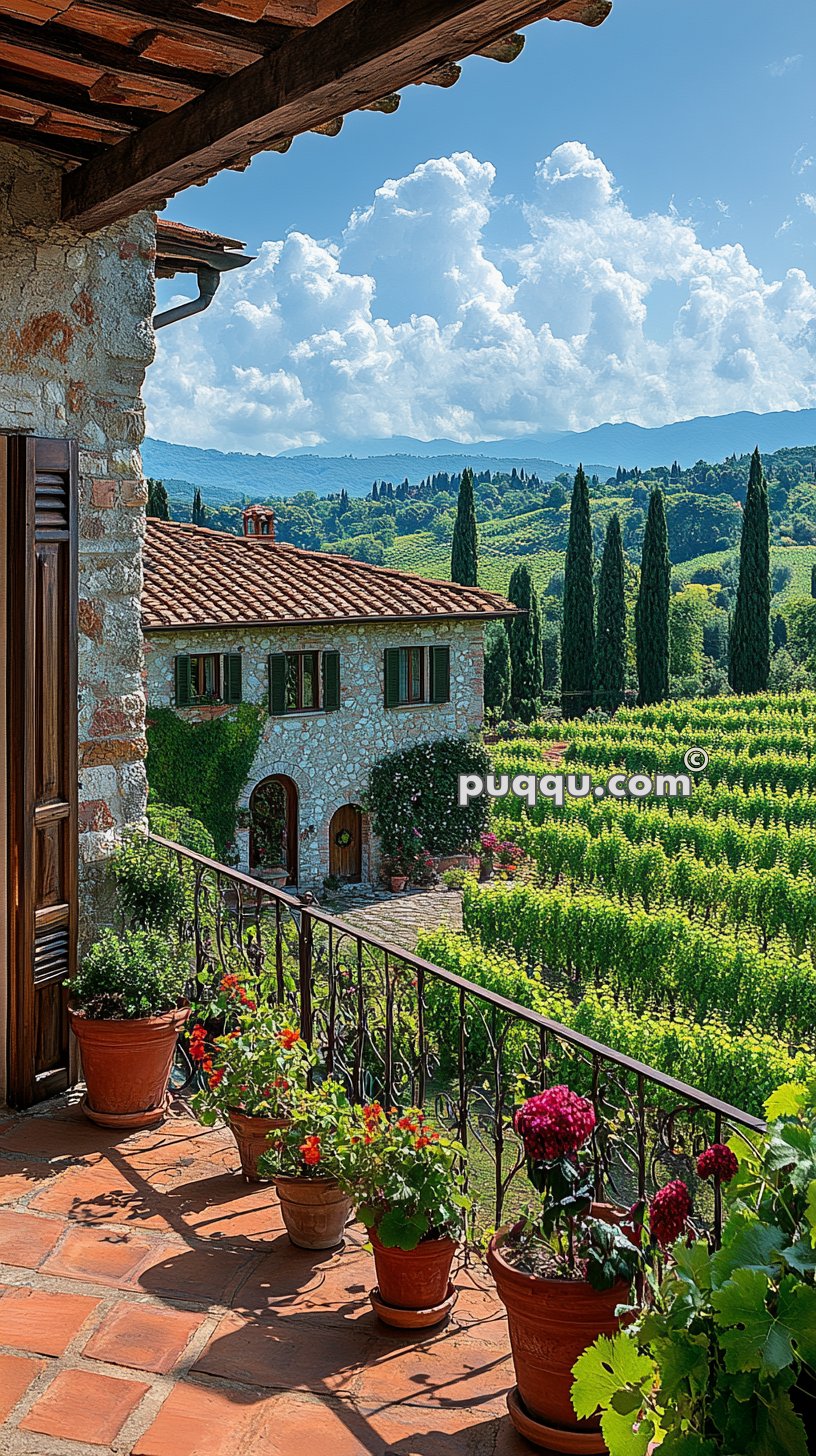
x: 755, y: 1338
x: 612, y: 1370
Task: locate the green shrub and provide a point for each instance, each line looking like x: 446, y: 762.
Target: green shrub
x: 203, y: 767
x: 177, y: 823
x: 454, y: 879
x: 413, y: 797
x: 151, y: 890
x: 125, y: 977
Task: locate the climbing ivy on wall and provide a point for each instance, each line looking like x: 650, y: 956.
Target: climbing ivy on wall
x: 203, y: 767
x: 412, y: 796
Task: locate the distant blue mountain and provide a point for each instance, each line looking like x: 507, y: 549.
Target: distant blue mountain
x: 709, y: 437
x: 337, y: 464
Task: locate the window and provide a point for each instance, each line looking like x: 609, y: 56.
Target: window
x: 416, y: 675
x: 208, y: 677
x: 304, y: 682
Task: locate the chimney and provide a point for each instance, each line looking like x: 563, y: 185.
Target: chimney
x: 259, y: 521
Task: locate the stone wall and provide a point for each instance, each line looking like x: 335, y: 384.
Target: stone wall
x: 329, y: 755
x: 75, y: 341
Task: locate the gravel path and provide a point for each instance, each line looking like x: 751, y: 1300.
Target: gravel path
x: 399, y: 918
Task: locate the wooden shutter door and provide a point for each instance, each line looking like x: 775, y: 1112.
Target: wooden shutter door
x: 41, y: 479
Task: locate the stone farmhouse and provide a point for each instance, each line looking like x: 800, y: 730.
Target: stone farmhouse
x: 349, y: 662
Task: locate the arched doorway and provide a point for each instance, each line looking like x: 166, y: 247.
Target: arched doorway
x: 273, y: 826
x: 346, y: 844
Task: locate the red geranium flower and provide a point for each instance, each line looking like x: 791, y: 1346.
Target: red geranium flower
x: 310, y: 1150
x: 669, y: 1213
x: 198, y: 1039
x: 555, y: 1123
x: 718, y: 1162
x: 287, y: 1038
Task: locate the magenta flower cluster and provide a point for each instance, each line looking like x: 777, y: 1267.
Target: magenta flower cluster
x: 669, y: 1213
x: 718, y: 1162
x: 554, y: 1124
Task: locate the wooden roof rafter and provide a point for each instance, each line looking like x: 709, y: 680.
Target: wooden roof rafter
x: 145, y: 97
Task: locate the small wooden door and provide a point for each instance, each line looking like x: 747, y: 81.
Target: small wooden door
x: 346, y: 844
x: 41, y: 690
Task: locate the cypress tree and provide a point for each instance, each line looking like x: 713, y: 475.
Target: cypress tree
x: 610, y: 637
x: 578, y: 627
x: 524, y: 634
x: 198, y: 515
x: 464, y: 567
x: 157, y: 502
x: 813, y: 580
x: 750, y: 634
x: 497, y: 670
x: 652, y: 608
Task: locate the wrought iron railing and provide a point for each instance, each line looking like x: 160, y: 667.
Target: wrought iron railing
x: 392, y: 1025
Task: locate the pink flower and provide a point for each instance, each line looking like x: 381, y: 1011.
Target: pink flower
x: 554, y: 1123
x: 669, y: 1213
x: 718, y: 1162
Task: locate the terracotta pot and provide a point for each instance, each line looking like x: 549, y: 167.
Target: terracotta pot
x: 314, y: 1210
x: 398, y: 882
x: 551, y: 1323
x: 416, y: 1279
x: 253, y: 1134
x: 127, y: 1066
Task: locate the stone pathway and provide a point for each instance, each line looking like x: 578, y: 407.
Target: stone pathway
x: 399, y: 918
x: 152, y: 1305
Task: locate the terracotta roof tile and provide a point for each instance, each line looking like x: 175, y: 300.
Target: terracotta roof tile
x: 195, y: 577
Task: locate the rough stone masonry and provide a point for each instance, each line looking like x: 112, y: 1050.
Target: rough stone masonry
x: 75, y: 341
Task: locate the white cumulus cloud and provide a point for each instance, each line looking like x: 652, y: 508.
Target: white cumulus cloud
x: 414, y: 322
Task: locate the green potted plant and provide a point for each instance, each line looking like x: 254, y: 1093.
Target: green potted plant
x: 126, y: 1008
x: 561, y: 1271
x: 251, y: 1071
x: 306, y: 1163
x: 396, y: 868
x: 723, y: 1358
x: 405, y: 1178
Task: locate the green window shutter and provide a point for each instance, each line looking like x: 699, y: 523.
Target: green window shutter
x: 392, y: 661
x: 331, y: 681
x: 277, y: 682
x: 183, y: 684
x: 233, y: 665
x: 440, y: 674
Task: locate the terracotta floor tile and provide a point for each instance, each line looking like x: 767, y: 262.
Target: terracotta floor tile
x: 288, y: 1278
x: 102, y: 1256
x: 82, y: 1406
x: 16, y: 1374
x: 198, y: 1421
x: 68, y: 1134
x: 32, y: 1319
x: 445, y: 1372
x: 226, y: 1209
x: 18, y: 1178
x: 143, y: 1337
x: 288, y: 1425
x: 202, y: 1275
x: 302, y: 1353
x: 101, y: 1193
x: 24, y: 1239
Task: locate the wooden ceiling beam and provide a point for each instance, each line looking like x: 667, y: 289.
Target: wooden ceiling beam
x: 58, y: 43
x: 364, y: 51
x: 51, y: 93
x: 176, y: 16
x: 67, y: 149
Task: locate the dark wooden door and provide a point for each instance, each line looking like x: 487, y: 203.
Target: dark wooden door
x: 41, y: 494
x: 346, y: 844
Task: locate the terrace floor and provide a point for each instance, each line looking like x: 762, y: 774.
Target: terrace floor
x: 150, y: 1303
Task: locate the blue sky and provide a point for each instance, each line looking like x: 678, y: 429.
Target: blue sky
x: 698, y: 110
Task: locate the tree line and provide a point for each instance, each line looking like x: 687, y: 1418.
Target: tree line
x: 593, y: 638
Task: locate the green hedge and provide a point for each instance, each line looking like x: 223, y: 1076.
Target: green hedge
x: 740, y: 1068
